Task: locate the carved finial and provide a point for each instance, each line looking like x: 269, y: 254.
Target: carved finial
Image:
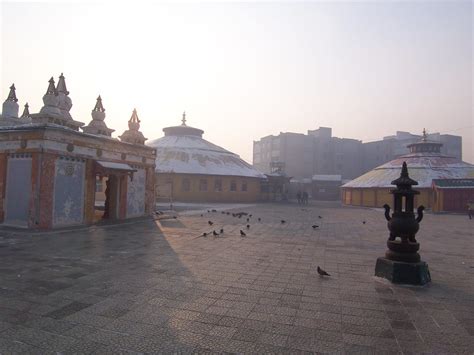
x: 425, y: 135
x: 51, y: 88
x: 404, y: 172
x: 26, y: 111
x: 134, y: 118
x: 62, y: 85
x: 12, y: 94
x: 98, y: 105
x: 183, y: 120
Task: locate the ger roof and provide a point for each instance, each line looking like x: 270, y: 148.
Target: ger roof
x: 191, y: 154
x: 422, y: 167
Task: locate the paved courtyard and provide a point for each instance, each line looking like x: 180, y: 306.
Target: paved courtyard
x: 158, y: 287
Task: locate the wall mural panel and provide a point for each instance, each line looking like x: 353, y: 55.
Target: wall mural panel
x: 136, y: 194
x: 69, y: 192
x: 18, y: 190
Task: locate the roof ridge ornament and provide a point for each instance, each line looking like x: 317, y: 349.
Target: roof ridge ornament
x: 12, y: 94
x: 51, y: 90
x: 62, y: 85
x: 98, y: 105
x: 133, y: 134
x: 183, y: 120
x: 134, y: 119
x: 26, y: 111
x: 425, y: 135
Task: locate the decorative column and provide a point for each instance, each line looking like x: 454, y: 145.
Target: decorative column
x: 402, y: 263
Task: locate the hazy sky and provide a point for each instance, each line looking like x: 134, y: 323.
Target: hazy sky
x: 246, y: 70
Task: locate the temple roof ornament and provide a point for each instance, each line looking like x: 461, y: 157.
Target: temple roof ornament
x: 26, y: 111
x: 12, y: 94
x: 98, y: 105
x: 62, y: 85
x: 65, y: 102
x: 51, y: 90
x: 425, y: 135
x: 133, y: 135
x: 56, y: 106
x: 97, y: 125
x: 183, y: 120
x: 10, y: 106
x: 425, y: 145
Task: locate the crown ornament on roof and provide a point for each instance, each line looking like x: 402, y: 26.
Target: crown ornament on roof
x: 133, y: 135
x: 183, y: 120
x: 97, y: 126
x: 26, y: 111
x: 61, y: 88
x: 425, y: 135
x: 98, y: 105
x: 51, y: 90
x: 10, y: 105
x: 12, y: 94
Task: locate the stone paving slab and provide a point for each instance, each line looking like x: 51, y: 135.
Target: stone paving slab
x: 161, y: 287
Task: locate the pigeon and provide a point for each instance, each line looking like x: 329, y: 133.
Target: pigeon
x: 315, y: 226
x: 208, y: 211
x: 223, y: 212
x: 250, y: 215
x: 204, y: 234
x: 248, y: 219
x: 175, y: 217
x: 242, y: 233
x: 210, y: 223
x: 259, y: 219
x: 215, y: 233
x: 363, y: 222
x: 213, y: 210
x: 228, y: 213
x: 248, y: 226
x: 322, y: 272
x: 283, y: 221
x: 202, y: 215
x: 320, y: 217
x: 222, y: 230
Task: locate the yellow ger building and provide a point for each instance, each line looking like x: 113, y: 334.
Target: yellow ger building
x: 191, y: 169
x: 425, y: 164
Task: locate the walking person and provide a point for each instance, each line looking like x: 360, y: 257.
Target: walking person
x: 470, y: 209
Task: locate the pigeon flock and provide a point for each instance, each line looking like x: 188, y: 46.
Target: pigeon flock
x: 248, y: 217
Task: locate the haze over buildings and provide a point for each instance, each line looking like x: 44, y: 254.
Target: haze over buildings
x: 319, y: 153
x: 245, y: 71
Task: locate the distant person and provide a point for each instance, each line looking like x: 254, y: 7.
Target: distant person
x: 305, y: 198
x: 470, y: 209
x: 298, y: 197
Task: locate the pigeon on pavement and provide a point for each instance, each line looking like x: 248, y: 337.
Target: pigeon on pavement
x: 322, y: 272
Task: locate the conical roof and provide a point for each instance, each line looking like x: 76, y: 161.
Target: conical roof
x: 423, y: 167
x: 183, y: 150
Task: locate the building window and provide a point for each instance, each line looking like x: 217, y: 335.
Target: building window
x: 218, y: 185
x: 185, y: 185
x: 203, y: 185
x: 98, y: 185
x: 233, y: 186
x: 244, y: 186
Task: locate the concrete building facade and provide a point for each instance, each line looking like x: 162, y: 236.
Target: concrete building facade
x: 315, y: 153
x: 319, y: 153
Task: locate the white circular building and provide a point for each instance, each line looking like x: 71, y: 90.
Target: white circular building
x: 189, y: 168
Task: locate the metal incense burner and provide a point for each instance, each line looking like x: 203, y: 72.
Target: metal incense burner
x: 402, y: 262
